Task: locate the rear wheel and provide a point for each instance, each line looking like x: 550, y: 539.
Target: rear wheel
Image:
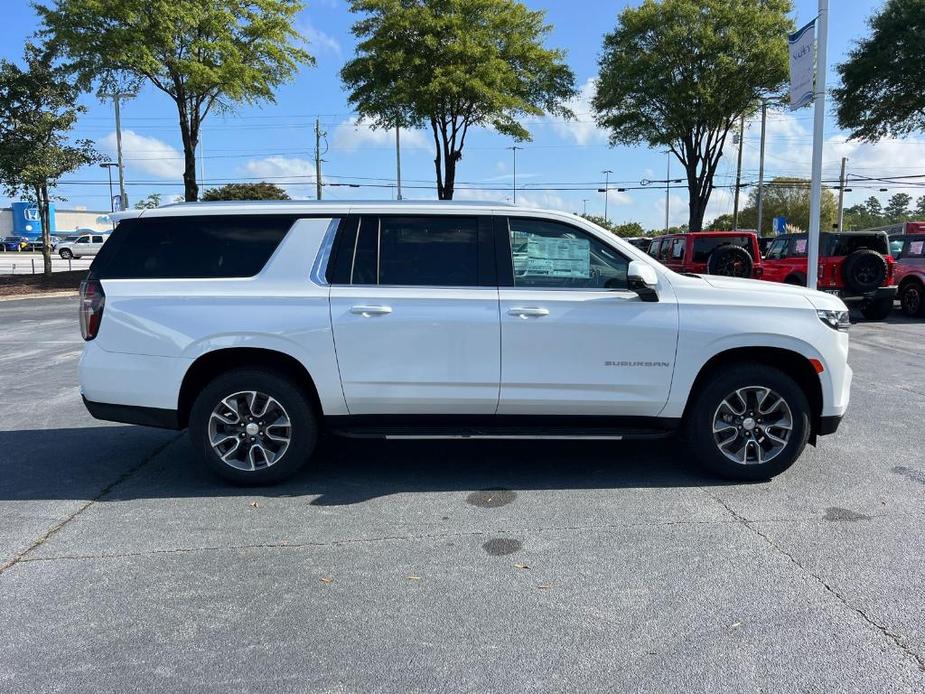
x: 750, y: 422
x: 252, y: 426
x: 730, y: 261
x: 66, y: 253
x: 912, y: 299
x: 878, y: 309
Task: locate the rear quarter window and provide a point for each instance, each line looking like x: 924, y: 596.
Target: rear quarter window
x: 191, y: 247
x: 703, y: 247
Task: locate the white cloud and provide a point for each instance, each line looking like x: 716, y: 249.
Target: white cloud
x: 582, y: 130
x: 318, y: 41
x: 146, y: 154
x: 352, y: 135
x: 295, y: 175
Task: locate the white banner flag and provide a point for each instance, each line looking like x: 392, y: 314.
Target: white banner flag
x: 802, y: 66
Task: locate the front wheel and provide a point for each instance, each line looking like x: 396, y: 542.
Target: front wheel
x: 252, y: 426
x: 750, y: 422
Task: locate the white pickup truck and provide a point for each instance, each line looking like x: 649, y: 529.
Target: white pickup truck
x: 258, y: 325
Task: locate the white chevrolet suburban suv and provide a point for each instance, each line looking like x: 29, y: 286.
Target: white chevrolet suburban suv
x: 260, y: 325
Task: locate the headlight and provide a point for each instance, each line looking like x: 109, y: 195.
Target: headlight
x: 837, y: 320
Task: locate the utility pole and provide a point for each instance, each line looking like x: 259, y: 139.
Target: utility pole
x: 585, y: 203
x: 667, y: 190
x: 202, y: 163
x: 764, y: 122
x: 606, y: 173
x: 317, y: 159
x: 116, y: 97
x: 841, y: 194
x: 815, y: 199
x: 735, y: 204
x: 397, y: 163
x: 514, y: 149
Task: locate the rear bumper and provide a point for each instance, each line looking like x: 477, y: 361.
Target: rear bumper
x: 878, y: 294
x: 133, y: 414
x: 829, y: 425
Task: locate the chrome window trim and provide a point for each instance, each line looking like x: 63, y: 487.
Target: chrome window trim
x: 320, y: 267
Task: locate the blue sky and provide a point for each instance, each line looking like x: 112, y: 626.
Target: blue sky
x: 275, y: 142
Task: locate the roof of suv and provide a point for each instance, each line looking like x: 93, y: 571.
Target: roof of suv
x: 317, y: 207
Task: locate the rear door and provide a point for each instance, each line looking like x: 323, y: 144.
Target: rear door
x: 574, y: 339
x: 414, y: 309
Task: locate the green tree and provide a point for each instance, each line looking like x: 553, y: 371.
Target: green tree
x: 246, y: 191
x: 628, y: 230
x: 153, y: 200
x: 882, y: 90
x: 204, y: 54
x: 875, y: 211
x: 678, y: 74
x: 919, y: 207
x: 897, y: 208
x: 38, y: 109
x: 452, y: 65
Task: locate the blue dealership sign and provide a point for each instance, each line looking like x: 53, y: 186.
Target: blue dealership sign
x: 26, y: 219
x: 780, y: 225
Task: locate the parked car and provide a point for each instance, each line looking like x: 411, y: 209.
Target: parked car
x: 910, y: 272
x: 764, y: 243
x: 727, y: 253
x: 856, y: 266
x: 641, y: 242
x: 260, y: 325
x: 85, y: 244
x: 35, y: 244
x: 14, y: 243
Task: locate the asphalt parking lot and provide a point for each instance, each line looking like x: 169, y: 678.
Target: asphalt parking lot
x: 463, y: 566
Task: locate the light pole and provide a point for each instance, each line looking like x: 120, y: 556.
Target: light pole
x: 606, y: 173
x: 112, y: 203
x: 667, y: 190
x: 514, y: 149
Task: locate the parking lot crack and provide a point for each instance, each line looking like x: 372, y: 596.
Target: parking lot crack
x: 102, y: 494
x: 892, y: 636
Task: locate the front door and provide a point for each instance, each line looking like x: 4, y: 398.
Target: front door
x: 574, y: 339
x: 415, y: 318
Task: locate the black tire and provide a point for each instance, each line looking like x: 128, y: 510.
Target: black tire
x: 912, y: 299
x: 706, y: 404
x: 864, y: 270
x: 878, y: 309
x: 303, y: 429
x: 66, y: 253
x: 795, y: 280
x: 730, y: 261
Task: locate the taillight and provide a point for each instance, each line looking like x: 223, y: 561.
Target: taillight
x: 92, y: 301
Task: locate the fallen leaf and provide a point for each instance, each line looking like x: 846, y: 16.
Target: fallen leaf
x: 414, y: 578
x: 521, y: 566
x: 254, y: 504
x: 736, y: 625
x: 325, y: 579
x: 544, y: 586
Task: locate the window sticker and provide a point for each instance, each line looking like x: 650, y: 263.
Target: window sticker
x: 544, y: 256
x: 799, y: 246
x: 915, y: 247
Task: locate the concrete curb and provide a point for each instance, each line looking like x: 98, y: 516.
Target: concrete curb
x: 39, y: 295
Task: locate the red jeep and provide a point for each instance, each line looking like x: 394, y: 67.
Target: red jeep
x: 856, y: 266
x: 910, y: 272
x: 729, y: 253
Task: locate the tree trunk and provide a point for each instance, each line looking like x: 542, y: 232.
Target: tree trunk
x: 438, y: 159
x: 696, y: 207
x: 449, y: 184
x: 189, y: 133
x: 41, y: 198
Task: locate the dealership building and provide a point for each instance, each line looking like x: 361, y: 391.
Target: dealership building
x: 22, y: 219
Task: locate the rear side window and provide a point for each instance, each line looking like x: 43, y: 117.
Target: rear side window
x: 846, y: 244
x: 191, y: 247
x: 703, y: 247
x: 677, y: 249
x: 915, y: 248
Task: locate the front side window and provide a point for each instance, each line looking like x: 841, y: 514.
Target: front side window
x: 83, y: 239
x: 551, y: 254
x: 915, y: 248
x: 677, y: 249
x: 776, y: 249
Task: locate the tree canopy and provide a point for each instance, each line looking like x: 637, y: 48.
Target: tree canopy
x: 204, y: 54
x: 678, y: 74
x: 882, y: 90
x: 246, y: 191
x: 38, y: 109
x: 627, y: 230
x: 452, y: 65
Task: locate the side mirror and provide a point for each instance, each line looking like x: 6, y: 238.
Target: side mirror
x: 642, y: 279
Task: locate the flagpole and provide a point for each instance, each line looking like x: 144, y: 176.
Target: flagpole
x: 815, y: 202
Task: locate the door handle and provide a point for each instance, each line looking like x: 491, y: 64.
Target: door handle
x: 367, y: 311
x: 528, y: 311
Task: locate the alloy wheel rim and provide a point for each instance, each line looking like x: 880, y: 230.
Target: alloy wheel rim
x: 249, y: 430
x: 913, y: 300
x: 752, y: 425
